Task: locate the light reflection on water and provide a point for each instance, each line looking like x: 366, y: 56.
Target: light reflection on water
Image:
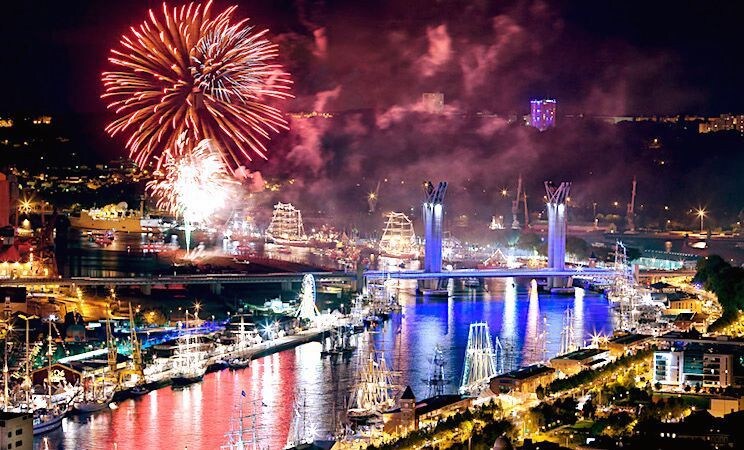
x: 199, y: 416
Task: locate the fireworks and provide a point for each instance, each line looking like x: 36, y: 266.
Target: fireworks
x: 186, y: 72
x: 194, y: 184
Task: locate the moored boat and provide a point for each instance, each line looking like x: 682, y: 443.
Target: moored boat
x: 46, y: 420
x: 239, y: 363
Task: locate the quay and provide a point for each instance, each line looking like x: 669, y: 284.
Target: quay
x: 161, y: 374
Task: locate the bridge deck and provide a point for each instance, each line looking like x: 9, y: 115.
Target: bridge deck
x: 486, y: 273
x: 230, y: 278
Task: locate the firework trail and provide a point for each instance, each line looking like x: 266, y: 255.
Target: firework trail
x: 194, y: 184
x: 183, y: 71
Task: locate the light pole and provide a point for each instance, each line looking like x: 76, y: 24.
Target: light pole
x: 27, y: 378
x: 701, y: 212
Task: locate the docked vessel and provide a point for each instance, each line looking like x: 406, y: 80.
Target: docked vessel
x: 47, y: 420
x: 115, y: 217
x: 238, y: 363
x: 375, y: 391
x: 189, y: 361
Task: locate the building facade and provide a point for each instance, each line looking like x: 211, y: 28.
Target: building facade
x: 542, y: 114
x: 16, y: 431
x: 524, y: 380
x: 583, y: 359
x: 693, y: 368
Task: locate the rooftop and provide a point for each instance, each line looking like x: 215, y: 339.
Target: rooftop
x: 433, y: 403
x: 582, y: 354
x: 527, y: 372
x: 628, y: 339
x: 7, y: 415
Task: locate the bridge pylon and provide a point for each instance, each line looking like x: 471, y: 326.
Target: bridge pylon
x: 557, y: 224
x: 433, y: 218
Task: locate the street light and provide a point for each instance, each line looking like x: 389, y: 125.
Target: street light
x: 701, y: 212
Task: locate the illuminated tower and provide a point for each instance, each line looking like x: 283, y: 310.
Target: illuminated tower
x: 433, y: 215
x: 542, y: 114
x: 556, y: 206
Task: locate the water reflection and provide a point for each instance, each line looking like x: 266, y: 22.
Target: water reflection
x: 199, y: 416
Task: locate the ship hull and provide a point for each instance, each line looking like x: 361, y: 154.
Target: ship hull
x: 49, y: 425
x: 129, y: 225
x: 90, y: 407
x: 185, y: 380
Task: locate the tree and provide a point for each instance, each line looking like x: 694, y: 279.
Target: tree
x: 589, y: 409
x: 540, y: 392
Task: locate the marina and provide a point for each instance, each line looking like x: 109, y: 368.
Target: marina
x: 280, y: 371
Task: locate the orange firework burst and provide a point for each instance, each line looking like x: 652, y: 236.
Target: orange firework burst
x: 186, y: 72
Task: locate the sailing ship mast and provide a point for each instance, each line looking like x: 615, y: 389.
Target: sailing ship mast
x: 236, y: 439
x: 49, y: 364
x: 286, y: 224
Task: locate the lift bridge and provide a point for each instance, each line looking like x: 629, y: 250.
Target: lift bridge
x: 556, y: 273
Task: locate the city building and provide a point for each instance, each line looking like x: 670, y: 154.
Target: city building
x: 693, y: 368
x: 524, y: 380
x: 626, y: 344
x: 16, y: 431
x: 720, y: 406
x: 582, y: 359
x: 724, y: 122
x: 542, y: 114
x: 687, y: 304
x: 412, y: 414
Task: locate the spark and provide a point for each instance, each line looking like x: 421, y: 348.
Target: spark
x: 183, y: 71
x: 194, y: 184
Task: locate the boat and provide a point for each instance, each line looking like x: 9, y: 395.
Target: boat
x: 96, y: 396
x: 117, y: 217
x: 218, y: 365
x: 286, y: 227
x: 300, y: 434
x: 138, y: 391
x: 241, y: 436
x: 46, y: 420
x: 471, y: 282
x: 49, y: 418
x: 435, y: 292
x: 375, y: 391
x: 189, y: 361
x: 239, y: 363
x: 93, y: 405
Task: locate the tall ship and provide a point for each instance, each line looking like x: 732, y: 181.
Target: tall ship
x: 399, y: 240
x: 117, y: 217
x: 375, y: 390
x: 286, y: 226
x: 189, y: 360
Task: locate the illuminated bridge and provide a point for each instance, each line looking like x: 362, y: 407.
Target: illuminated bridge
x: 215, y: 281
x: 488, y: 273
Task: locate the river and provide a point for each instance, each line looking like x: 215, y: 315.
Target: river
x: 198, y: 417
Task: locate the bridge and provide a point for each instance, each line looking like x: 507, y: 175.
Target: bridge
x: 215, y: 281
x: 486, y: 273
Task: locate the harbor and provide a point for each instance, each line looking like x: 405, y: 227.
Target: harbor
x: 408, y: 340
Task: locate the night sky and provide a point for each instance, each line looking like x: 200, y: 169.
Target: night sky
x: 370, y: 62
x: 673, y: 56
